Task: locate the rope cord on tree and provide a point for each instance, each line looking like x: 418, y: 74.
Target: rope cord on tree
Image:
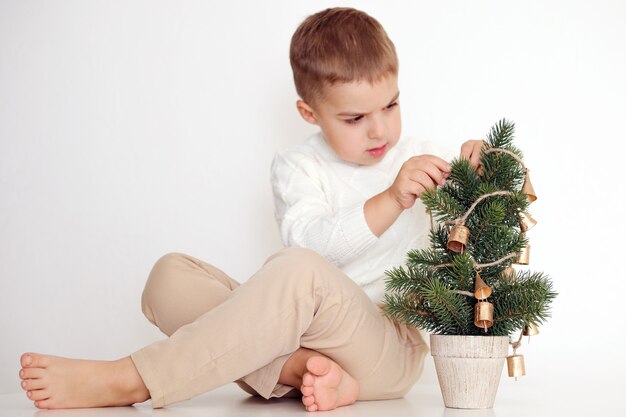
x: 517, y: 158
x: 463, y: 218
x: 478, y: 267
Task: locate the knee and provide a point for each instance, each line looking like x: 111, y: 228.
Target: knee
x: 164, y: 270
x: 301, y: 265
x: 299, y: 257
x: 160, y: 281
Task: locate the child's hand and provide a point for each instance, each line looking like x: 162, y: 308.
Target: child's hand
x: 471, y: 150
x: 416, y: 176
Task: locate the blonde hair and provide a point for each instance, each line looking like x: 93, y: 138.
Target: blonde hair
x: 339, y: 45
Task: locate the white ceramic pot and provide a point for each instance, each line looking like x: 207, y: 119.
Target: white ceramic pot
x: 469, y: 368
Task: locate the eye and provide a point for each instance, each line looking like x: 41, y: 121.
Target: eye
x: 394, y: 104
x: 354, y: 120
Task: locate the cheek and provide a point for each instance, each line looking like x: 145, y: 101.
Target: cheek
x: 395, y: 128
x: 339, y: 138
x: 397, y: 122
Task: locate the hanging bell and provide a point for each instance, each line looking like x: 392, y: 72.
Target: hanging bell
x: 457, y: 241
x: 483, y: 315
x: 515, y: 365
x: 524, y: 256
x: 509, y: 273
x: 530, y: 330
x: 526, y: 222
x: 481, y: 290
x: 528, y: 189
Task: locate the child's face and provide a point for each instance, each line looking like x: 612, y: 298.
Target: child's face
x: 360, y: 121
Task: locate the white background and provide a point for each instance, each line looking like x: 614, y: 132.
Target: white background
x: 132, y: 129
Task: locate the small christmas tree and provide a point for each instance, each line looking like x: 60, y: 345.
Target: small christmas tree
x: 464, y: 283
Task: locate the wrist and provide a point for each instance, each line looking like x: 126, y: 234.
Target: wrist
x: 393, y: 200
x: 381, y: 211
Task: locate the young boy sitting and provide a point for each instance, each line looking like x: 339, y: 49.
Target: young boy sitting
x: 308, y: 323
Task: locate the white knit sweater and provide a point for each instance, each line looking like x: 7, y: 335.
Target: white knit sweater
x: 319, y: 201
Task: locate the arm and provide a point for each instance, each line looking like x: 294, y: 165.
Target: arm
x: 308, y: 216
x: 417, y: 174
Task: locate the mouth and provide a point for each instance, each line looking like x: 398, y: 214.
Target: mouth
x: 377, y: 152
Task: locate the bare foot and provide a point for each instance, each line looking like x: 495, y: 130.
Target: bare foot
x: 327, y: 386
x: 56, y: 382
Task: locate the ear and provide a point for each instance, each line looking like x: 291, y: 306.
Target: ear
x: 306, y: 112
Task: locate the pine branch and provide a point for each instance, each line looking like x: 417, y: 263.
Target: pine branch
x: 465, y: 180
x: 442, y: 204
x: 501, y: 134
x: 522, y: 301
x: 451, y: 309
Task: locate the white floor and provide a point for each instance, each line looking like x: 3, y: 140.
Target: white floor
x: 515, y: 399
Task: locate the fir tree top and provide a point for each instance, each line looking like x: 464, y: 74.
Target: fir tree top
x: 435, y: 289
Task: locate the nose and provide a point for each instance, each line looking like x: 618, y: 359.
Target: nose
x: 377, y: 128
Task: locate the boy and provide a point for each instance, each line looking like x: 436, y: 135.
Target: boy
x: 301, y: 325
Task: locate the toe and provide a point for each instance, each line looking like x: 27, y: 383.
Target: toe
x: 26, y: 359
x: 307, y: 390
x: 39, y: 394
x: 311, y: 408
x: 308, y: 380
x: 318, y: 365
x: 44, y: 404
x: 33, y: 360
x: 33, y: 384
x: 308, y: 400
x: 32, y: 373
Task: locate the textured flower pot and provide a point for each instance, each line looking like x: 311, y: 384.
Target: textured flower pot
x: 469, y: 368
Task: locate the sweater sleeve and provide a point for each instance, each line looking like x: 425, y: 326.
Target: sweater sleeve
x: 306, y: 215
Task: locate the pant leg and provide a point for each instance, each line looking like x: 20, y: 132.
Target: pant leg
x: 296, y: 299
x: 180, y: 288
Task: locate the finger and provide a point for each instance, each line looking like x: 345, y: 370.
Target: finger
x: 438, y: 176
x: 472, y: 150
x: 441, y: 164
x: 411, y: 190
x: 420, y: 161
x: 418, y: 191
x: 423, y: 179
x: 476, y: 153
x: 435, y: 167
x: 466, y: 149
x: 427, y: 166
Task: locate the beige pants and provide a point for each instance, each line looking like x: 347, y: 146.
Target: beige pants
x: 220, y: 331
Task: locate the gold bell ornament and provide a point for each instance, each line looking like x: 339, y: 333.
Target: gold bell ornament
x: 481, y: 290
x: 509, y: 273
x: 528, y: 189
x: 515, y: 365
x: 526, y: 222
x: 457, y: 241
x: 524, y: 256
x: 483, y: 315
x: 530, y: 330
